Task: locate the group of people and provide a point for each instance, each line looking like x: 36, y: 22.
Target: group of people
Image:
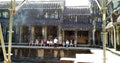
x: 43, y: 42
x: 70, y: 43
x: 55, y: 43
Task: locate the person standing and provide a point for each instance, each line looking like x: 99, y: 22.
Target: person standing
x: 75, y: 43
x: 36, y: 42
x: 71, y: 43
x: 67, y: 43
x: 55, y: 42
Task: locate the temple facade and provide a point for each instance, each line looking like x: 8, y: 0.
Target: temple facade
x: 113, y: 27
x: 52, y: 19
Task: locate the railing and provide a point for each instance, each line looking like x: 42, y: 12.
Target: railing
x: 44, y: 44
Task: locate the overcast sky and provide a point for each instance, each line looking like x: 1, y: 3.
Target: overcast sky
x: 76, y: 2
x: 68, y: 2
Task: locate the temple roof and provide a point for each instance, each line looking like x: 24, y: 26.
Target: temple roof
x: 94, y: 3
x: 31, y: 5
x: 76, y: 26
x: 42, y: 5
x: 98, y: 24
x: 32, y: 14
x: 33, y: 17
x: 81, y: 22
x: 77, y: 10
x: 40, y: 22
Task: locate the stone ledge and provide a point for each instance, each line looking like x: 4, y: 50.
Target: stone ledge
x: 114, y: 51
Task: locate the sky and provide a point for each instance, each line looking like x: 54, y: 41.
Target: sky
x: 68, y: 2
x: 77, y: 2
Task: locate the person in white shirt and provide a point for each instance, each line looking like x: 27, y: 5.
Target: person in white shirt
x: 48, y: 43
x: 36, y: 42
x: 55, y: 42
x: 67, y: 43
x: 51, y: 42
x: 71, y: 43
x: 75, y: 43
x: 31, y: 42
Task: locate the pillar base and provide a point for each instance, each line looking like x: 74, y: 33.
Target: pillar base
x: 55, y: 53
x: 41, y: 53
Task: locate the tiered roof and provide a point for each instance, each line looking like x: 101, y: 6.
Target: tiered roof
x: 34, y: 5
x: 76, y: 18
x: 82, y: 10
x: 31, y: 14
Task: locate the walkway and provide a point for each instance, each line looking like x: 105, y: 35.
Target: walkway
x: 96, y: 57
x: 114, y: 51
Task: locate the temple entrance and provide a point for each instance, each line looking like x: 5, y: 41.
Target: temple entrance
x: 38, y: 32
x: 51, y: 32
x: 97, y: 37
x: 24, y: 33
x: 82, y: 37
x: 69, y: 35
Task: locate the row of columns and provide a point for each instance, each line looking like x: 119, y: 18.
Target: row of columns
x: 44, y: 33
x: 31, y: 30
x: 76, y: 36
x: 60, y: 33
x: 93, y: 32
x: 40, y: 53
x: 115, y: 35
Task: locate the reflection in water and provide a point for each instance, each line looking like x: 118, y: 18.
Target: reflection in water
x: 37, y: 60
x: 49, y: 56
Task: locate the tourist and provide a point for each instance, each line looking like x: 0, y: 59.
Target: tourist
x: 31, y: 42
x: 71, y: 43
x: 36, y: 42
x: 48, y: 43
x: 55, y: 42
x: 64, y: 44
x: 75, y: 43
x: 51, y: 42
x: 67, y: 43
x: 42, y: 42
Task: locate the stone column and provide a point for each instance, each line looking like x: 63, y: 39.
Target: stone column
x: 63, y: 35
x: 55, y: 53
x: 109, y: 40
x: 61, y: 53
x: 118, y: 42
x: 41, y: 53
x: 115, y: 41
x: 59, y: 34
x: 118, y: 35
x: 112, y: 38
x: 93, y: 36
x: 44, y: 32
x: 16, y: 52
x: 33, y: 33
x: 5, y: 33
x: 29, y: 52
x: 76, y: 35
x: 17, y: 34
x: 21, y: 30
x: 93, y: 32
x: 21, y: 53
x: 89, y: 38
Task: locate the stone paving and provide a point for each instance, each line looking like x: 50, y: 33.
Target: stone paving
x: 114, y: 51
x: 96, y: 57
